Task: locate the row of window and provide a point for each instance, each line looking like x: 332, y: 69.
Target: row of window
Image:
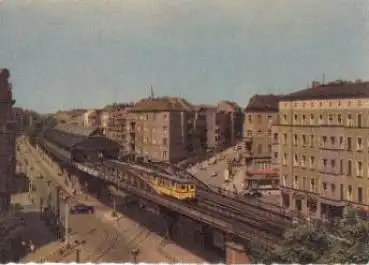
x: 258, y: 118
x: 164, y: 141
x: 326, y: 141
x: 330, y: 119
x: 164, y: 154
x: 333, y: 165
x: 326, y: 188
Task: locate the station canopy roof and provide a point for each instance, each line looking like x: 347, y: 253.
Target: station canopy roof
x: 71, y: 137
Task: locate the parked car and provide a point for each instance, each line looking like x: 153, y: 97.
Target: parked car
x: 82, y: 208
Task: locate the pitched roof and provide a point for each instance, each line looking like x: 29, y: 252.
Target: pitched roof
x: 233, y: 106
x: 263, y: 103
x: 76, y: 130
x: 162, y: 104
x: 333, y: 90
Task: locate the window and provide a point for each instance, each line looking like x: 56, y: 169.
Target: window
x: 250, y: 118
x: 339, y: 119
x: 349, y: 192
x: 321, y: 121
x: 284, y: 180
x: 311, y: 119
x: 330, y: 119
x: 311, y: 162
x: 296, y: 182
x: 333, y: 140
x: 295, y: 160
x: 165, y: 141
x: 349, y: 168
x: 249, y: 133
x: 303, y: 161
x: 269, y: 133
x: 295, y: 139
x: 285, y: 118
x: 333, y: 188
x: 303, y: 119
x: 304, y: 139
x: 341, y: 141
x: 284, y: 162
x: 359, y: 169
x: 269, y: 148
x: 325, y: 163
x: 342, y: 192
x: 146, y: 140
x: 275, y: 137
x: 165, y: 154
x: 349, y: 146
x: 296, y: 117
x: 275, y: 155
x: 324, y: 186
x: 284, y: 138
x: 311, y: 140
x: 333, y: 163
x: 259, y: 119
x: 341, y: 166
x: 260, y: 148
x: 324, y: 141
x: 359, y: 143
x: 349, y: 120
x: 312, y: 185
x: 360, y: 194
x: 359, y: 121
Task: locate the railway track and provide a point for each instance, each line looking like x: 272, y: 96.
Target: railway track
x: 255, y: 221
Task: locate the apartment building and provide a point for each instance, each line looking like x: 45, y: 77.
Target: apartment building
x: 236, y: 120
x: 324, y: 149
x: 162, y: 129
x: 260, y: 114
x: 116, y: 127
x: 7, y: 140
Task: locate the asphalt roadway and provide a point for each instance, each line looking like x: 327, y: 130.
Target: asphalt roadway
x: 102, y: 242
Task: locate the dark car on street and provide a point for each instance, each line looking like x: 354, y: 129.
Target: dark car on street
x: 82, y: 208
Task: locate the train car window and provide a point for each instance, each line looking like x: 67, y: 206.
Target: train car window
x: 183, y: 187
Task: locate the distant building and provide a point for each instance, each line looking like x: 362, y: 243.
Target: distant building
x: 7, y: 140
x: 260, y: 115
x: 23, y: 118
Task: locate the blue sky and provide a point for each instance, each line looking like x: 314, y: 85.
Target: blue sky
x: 88, y: 53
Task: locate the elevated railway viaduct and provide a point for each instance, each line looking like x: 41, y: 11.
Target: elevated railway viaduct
x: 223, y: 221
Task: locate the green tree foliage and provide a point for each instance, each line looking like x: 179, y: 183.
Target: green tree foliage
x: 344, y: 241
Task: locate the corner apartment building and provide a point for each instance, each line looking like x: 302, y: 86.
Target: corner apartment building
x: 7, y: 140
x: 162, y: 129
x: 324, y: 149
x: 22, y: 118
x: 260, y: 114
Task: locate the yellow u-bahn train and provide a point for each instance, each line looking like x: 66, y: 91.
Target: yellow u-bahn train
x: 174, y: 186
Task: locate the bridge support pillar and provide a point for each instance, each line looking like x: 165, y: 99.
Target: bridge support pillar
x: 170, y: 223
x: 236, y: 253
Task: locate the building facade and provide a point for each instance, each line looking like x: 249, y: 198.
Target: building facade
x: 324, y: 149
x: 115, y: 125
x: 7, y: 140
x: 260, y: 114
x: 162, y: 129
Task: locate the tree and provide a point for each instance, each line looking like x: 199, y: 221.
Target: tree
x: 344, y: 241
